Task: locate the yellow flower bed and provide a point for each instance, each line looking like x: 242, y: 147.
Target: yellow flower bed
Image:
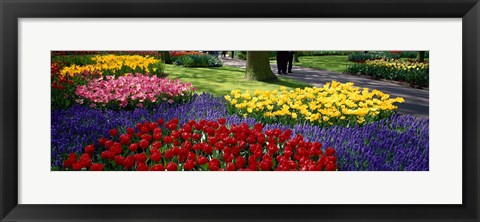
x: 334, y: 104
x: 398, y: 64
x: 116, y: 64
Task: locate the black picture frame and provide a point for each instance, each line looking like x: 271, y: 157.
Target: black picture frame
x: 11, y: 11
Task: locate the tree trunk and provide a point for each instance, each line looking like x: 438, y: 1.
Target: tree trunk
x: 258, y: 66
x: 166, y: 57
x: 421, y: 56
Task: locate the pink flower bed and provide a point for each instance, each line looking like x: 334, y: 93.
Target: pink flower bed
x: 134, y: 90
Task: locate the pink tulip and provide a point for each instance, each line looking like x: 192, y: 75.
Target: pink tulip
x: 132, y: 88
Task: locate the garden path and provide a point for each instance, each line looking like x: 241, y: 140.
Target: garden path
x: 416, y: 100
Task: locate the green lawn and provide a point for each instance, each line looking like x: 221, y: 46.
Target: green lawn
x: 221, y: 81
x: 335, y: 63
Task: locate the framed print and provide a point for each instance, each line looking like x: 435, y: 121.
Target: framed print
x: 269, y: 110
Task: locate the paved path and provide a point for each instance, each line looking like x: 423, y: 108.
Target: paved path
x: 416, y: 100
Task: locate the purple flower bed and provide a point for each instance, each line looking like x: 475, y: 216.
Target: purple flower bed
x: 397, y: 143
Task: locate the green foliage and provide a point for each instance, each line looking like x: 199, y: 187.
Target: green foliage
x: 272, y: 55
x: 417, y: 77
x: 322, y: 53
x: 203, y: 60
x: 412, y: 54
x: 241, y: 55
x: 364, y: 56
x: 63, y: 89
x: 372, y: 55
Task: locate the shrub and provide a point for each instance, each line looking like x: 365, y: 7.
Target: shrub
x: 362, y: 56
x: 197, y: 60
x: 325, y: 53
x: 412, y: 54
x: 241, y: 55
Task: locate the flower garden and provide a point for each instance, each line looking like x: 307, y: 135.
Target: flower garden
x: 120, y: 111
x: 388, y: 66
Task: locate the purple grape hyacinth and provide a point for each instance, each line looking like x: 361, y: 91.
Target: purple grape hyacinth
x: 397, y: 143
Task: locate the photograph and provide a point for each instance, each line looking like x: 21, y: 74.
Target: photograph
x: 240, y: 110
x: 227, y: 110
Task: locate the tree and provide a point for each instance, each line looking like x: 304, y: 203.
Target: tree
x: 258, y: 66
x: 166, y: 57
x: 421, y: 56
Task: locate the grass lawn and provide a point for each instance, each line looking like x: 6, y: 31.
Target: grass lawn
x: 221, y: 81
x: 335, y: 63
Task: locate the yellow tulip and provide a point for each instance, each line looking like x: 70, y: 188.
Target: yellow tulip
x: 328, y: 104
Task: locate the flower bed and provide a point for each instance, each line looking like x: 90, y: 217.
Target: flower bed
x: 201, y: 146
x: 395, y: 143
x: 85, y: 57
x: 105, y: 118
x: 414, y: 73
x: 132, y: 91
x: 63, y: 86
x: 334, y: 104
x: 66, y: 79
x: 182, y: 53
x: 112, y: 64
x: 399, y: 143
x: 65, y: 53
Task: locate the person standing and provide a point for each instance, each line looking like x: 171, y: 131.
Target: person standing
x: 282, y: 57
x: 290, y: 61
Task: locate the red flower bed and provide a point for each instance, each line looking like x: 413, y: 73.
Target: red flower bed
x: 202, y: 146
x: 182, y: 53
x: 63, y: 87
